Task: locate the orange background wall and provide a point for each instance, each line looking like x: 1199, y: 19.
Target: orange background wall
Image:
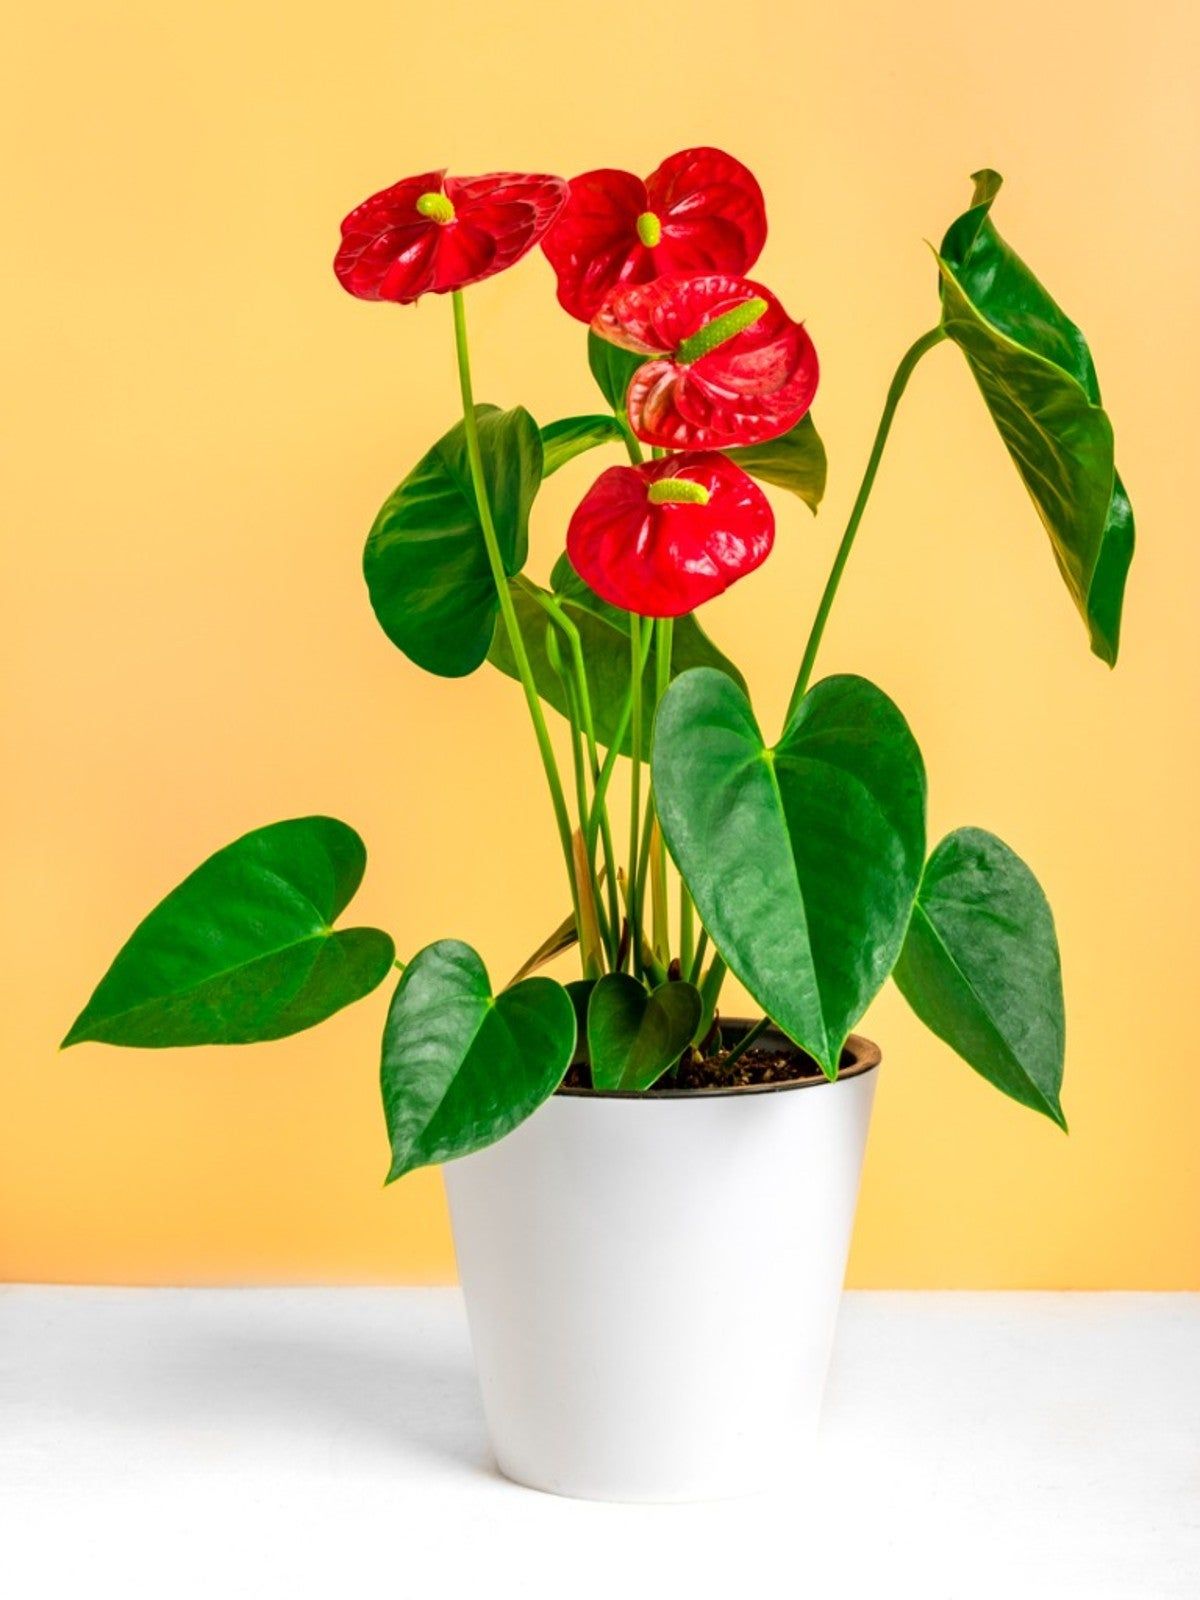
x: 200, y: 426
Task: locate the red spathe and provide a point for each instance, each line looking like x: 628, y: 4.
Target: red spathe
x: 665, y: 560
x: 709, y: 213
x: 751, y: 388
x: 392, y: 251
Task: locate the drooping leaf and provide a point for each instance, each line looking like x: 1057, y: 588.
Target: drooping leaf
x: 425, y: 562
x: 562, y: 441
x: 612, y: 368
x: 1036, y: 375
x: 604, y: 633
x: 244, y: 949
x: 803, y: 859
x: 980, y: 967
x: 795, y: 461
x: 633, y: 1036
x: 462, y: 1067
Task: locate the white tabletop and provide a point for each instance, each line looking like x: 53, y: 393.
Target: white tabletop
x: 329, y: 1442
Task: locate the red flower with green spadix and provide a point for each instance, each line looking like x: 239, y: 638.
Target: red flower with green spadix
x: 728, y: 365
x: 431, y: 233
x: 700, y: 211
x: 662, y: 538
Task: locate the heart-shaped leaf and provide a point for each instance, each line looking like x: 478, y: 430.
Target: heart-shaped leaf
x: 980, y: 967
x: 562, y: 441
x: 462, y: 1067
x: 425, y: 562
x: 803, y: 859
x: 634, y: 1037
x: 612, y: 369
x: 795, y: 461
x: 1035, y: 373
x: 604, y: 634
x: 244, y: 948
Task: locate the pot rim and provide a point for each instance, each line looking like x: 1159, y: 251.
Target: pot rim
x: 865, y: 1052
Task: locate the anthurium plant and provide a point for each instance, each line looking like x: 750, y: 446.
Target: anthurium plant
x: 694, y: 843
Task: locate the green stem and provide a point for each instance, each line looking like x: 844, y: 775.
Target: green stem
x: 664, y: 630
x: 507, y: 610
x: 687, y: 928
x: 635, y: 786
x: 710, y: 993
x: 593, y: 818
x: 617, y: 745
x: 747, y: 1039
x: 631, y: 440
x: 693, y: 972
x: 898, y: 385
x: 583, y: 860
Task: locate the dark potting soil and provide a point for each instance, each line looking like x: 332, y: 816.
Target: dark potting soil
x: 756, y: 1067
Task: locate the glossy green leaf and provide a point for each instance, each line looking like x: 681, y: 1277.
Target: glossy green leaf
x: 462, y: 1067
x: 580, y: 991
x: 425, y: 562
x: 244, y: 949
x: 795, y: 461
x: 633, y: 1036
x: 1035, y: 373
x: 604, y: 633
x: 612, y: 368
x: 980, y: 967
x: 803, y: 859
x: 562, y: 441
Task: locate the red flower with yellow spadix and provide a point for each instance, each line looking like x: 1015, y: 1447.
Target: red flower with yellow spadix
x: 431, y: 233
x: 725, y: 364
x: 700, y: 211
x: 662, y: 538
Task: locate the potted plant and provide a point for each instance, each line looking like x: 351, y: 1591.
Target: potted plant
x: 652, y: 1202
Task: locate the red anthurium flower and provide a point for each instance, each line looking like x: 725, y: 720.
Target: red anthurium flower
x: 730, y: 366
x: 701, y: 211
x: 433, y: 233
x: 662, y: 538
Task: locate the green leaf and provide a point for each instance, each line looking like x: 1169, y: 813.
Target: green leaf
x: 580, y: 991
x: 980, y: 967
x: 634, y: 1037
x: 612, y: 368
x: 426, y: 564
x: 1035, y: 373
x: 604, y: 633
x: 564, y: 440
x: 803, y: 859
x: 795, y: 461
x: 244, y: 948
x: 462, y: 1067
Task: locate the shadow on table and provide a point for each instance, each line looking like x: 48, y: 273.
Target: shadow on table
x: 334, y: 1394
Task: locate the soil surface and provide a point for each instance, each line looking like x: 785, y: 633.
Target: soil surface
x: 757, y: 1066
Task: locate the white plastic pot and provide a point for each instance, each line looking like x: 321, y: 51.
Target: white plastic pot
x: 652, y: 1282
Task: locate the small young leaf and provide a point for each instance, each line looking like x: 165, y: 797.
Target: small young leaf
x: 244, y: 948
x: 462, y: 1067
x: 980, y: 967
x: 634, y: 1037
